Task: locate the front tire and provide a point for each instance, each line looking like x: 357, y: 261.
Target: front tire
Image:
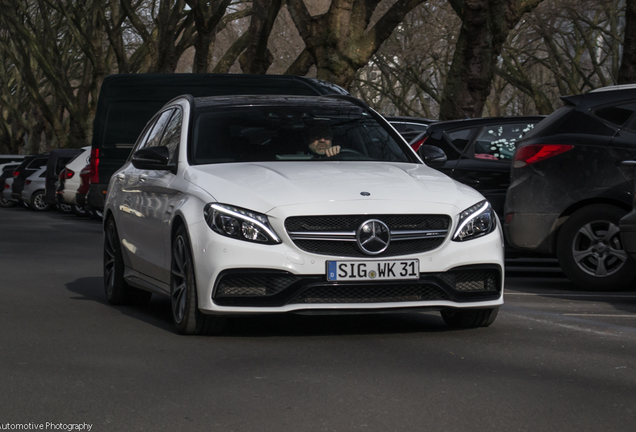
x: 469, y: 318
x: 590, y: 250
x: 187, y: 318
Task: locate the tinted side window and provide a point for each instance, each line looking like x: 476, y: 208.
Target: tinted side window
x: 497, y: 142
x: 461, y: 137
x: 37, y: 163
x: 172, y: 135
x: 577, y: 122
x: 125, y: 121
x: 616, y: 115
x: 154, y: 138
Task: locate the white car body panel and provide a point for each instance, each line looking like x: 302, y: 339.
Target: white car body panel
x: 71, y: 185
x: 145, y: 211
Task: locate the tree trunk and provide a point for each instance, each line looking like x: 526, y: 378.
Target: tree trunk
x: 627, y: 71
x: 485, y: 27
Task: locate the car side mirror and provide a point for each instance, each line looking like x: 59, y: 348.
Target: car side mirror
x: 153, y: 158
x: 432, y: 156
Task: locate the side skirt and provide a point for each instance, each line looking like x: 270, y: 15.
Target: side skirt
x: 141, y: 281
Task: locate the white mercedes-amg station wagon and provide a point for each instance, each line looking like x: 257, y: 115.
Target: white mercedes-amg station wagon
x: 269, y: 204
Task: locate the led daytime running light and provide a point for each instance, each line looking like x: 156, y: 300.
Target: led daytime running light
x: 245, y: 216
x: 469, y: 217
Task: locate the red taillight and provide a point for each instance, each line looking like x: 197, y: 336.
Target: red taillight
x: 6, y: 186
x: 16, y: 173
x: 28, y: 182
x: 68, y: 173
x: 417, y: 144
x: 530, y: 154
x: 94, y: 166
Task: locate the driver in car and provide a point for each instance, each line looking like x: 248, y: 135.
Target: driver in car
x: 320, y: 144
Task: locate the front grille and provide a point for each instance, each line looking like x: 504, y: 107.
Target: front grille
x: 336, y: 235
x: 471, y: 280
x: 371, y: 294
x: 257, y: 284
x: 253, y: 287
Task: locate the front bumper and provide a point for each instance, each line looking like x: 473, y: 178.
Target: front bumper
x: 464, y: 275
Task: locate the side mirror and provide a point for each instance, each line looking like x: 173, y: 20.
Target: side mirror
x: 432, y: 156
x: 153, y: 158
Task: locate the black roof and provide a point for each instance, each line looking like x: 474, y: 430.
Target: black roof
x: 245, y: 100
x: 601, y: 96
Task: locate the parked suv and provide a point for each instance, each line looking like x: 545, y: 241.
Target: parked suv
x: 478, y: 151
x: 127, y: 102
x: 569, y: 189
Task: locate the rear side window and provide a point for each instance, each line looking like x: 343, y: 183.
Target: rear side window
x: 37, y: 163
x: 577, y: 122
x: 497, y: 142
x: 125, y: 121
x: 617, y: 115
x: 460, y: 138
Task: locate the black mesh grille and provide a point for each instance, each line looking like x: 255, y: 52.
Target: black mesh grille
x: 471, y: 280
x: 253, y: 287
x: 350, y: 223
x: 350, y: 249
x: 370, y: 294
x: 240, y: 285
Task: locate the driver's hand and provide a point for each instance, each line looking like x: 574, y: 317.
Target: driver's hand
x: 332, y: 151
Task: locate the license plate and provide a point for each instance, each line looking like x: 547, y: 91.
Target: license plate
x: 373, y: 270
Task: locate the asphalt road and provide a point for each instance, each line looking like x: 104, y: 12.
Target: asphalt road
x: 555, y: 359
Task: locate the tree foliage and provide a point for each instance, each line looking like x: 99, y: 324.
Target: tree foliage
x: 435, y: 59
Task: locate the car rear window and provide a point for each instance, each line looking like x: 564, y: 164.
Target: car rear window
x: 125, y: 121
x: 283, y: 133
x: 497, y: 142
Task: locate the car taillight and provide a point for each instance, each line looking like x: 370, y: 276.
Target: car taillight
x: 530, y: 154
x: 68, y: 173
x: 94, y: 166
x: 6, y: 186
x: 28, y: 182
x: 417, y: 144
x: 16, y: 173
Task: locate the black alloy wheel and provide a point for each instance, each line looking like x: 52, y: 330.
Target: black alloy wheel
x: 590, y: 250
x: 63, y: 208
x: 187, y: 318
x: 78, y: 210
x: 37, y: 202
x: 469, y: 318
x: 5, y: 203
x: 117, y: 291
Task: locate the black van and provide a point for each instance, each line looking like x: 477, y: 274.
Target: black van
x: 128, y: 101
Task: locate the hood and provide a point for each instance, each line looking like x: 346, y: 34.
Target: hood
x: 264, y: 186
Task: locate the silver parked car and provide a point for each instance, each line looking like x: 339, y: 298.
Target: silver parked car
x: 33, y: 191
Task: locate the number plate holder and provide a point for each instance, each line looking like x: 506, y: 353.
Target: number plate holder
x: 373, y: 270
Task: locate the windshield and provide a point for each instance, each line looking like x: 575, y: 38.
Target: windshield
x: 292, y: 133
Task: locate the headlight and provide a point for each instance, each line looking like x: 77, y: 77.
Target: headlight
x: 240, y: 224
x: 475, y: 221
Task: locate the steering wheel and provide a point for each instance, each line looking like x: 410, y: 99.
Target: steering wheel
x: 347, y: 153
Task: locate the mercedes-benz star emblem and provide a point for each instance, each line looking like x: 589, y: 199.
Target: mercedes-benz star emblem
x: 373, y: 237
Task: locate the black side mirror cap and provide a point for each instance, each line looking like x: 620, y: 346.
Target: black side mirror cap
x: 432, y: 156
x: 153, y: 158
